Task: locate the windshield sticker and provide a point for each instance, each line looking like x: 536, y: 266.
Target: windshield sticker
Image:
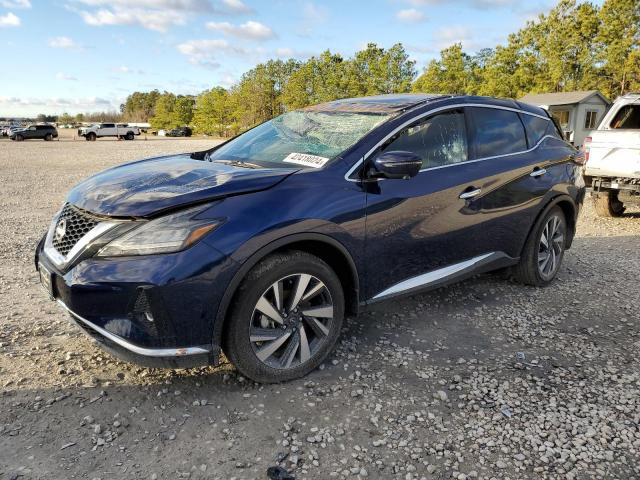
x: 306, y: 160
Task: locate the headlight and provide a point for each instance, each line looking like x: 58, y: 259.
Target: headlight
x: 163, y: 235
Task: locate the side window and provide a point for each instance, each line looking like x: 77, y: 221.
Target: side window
x: 438, y: 140
x: 590, y: 118
x: 536, y: 128
x: 628, y: 117
x: 108, y: 125
x: 562, y: 117
x: 497, y: 132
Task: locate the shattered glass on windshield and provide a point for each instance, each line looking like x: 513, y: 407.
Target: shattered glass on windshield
x: 324, y: 134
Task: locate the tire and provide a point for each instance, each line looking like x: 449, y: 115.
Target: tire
x: 91, y: 137
x: 608, y: 205
x: 129, y: 136
x: 48, y: 137
x: 538, y: 264
x: 282, y: 355
x: 19, y: 138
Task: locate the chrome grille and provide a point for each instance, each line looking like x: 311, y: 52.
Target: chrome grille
x: 72, y: 224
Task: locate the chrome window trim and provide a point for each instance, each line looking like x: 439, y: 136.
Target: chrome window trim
x: 147, y: 352
x: 441, y: 109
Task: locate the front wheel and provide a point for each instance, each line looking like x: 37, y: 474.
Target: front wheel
x: 285, y: 319
x: 129, y: 136
x: 544, y: 250
x: 19, y: 138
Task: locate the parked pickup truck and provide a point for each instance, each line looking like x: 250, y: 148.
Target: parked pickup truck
x: 613, y: 157
x: 120, y: 130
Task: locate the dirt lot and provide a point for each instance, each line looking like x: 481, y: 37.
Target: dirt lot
x: 486, y: 379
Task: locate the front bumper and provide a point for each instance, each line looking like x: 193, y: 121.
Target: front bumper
x: 155, y: 310
x: 147, y: 357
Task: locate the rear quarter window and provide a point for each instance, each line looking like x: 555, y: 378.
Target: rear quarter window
x: 536, y: 128
x: 496, y: 132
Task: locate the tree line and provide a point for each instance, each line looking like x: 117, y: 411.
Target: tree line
x: 576, y: 46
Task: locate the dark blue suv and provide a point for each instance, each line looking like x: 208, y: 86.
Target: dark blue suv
x: 261, y: 245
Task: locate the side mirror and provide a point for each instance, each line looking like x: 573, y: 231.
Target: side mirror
x: 398, y: 164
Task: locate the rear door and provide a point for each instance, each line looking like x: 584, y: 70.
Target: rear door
x: 107, y: 130
x: 525, y: 159
x: 42, y: 130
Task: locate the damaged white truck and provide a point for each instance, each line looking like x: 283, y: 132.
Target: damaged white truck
x: 613, y: 157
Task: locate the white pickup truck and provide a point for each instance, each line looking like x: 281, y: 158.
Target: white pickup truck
x: 612, y: 155
x: 119, y: 130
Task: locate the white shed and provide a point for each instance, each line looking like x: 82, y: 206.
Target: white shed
x: 576, y: 112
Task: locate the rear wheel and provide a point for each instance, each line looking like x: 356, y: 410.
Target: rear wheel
x: 129, y: 136
x: 48, y: 137
x: 608, y: 204
x: 544, y: 250
x: 286, y: 317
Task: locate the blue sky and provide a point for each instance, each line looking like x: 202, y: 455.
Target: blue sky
x: 87, y: 55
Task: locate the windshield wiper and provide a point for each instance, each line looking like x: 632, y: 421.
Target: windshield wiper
x: 238, y: 163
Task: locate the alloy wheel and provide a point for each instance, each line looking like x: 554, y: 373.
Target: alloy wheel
x: 291, y: 321
x: 551, y: 247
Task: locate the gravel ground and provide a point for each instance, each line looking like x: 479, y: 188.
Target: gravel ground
x: 485, y: 379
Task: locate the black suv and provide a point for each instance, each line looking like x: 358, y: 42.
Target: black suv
x: 179, y: 132
x: 42, y: 132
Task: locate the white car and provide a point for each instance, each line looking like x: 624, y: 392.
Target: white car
x: 613, y: 157
x: 119, y: 130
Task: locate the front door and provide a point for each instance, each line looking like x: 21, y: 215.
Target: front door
x: 415, y: 226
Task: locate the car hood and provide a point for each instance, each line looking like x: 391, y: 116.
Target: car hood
x: 148, y: 187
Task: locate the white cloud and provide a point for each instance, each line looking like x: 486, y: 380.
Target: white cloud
x: 481, y: 4
x: 66, y: 77
x: 158, y: 15
x: 211, y: 53
x: 128, y: 70
x: 15, y: 3
x: 315, y: 13
x: 63, y: 42
x: 250, y: 30
x: 446, y: 36
x: 206, y: 52
x: 14, y: 106
x: 157, y: 20
x: 236, y: 6
x: 177, y: 5
x: 410, y: 15
x: 9, y: 20
x: 287, y: 52
x: 312, y: 16
x: 227, y: 80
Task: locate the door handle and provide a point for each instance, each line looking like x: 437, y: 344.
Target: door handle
x: 470, y: 193
x: 538, y: 172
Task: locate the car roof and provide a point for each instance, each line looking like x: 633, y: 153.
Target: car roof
x: 401, y: 102
x: 390, y: 103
